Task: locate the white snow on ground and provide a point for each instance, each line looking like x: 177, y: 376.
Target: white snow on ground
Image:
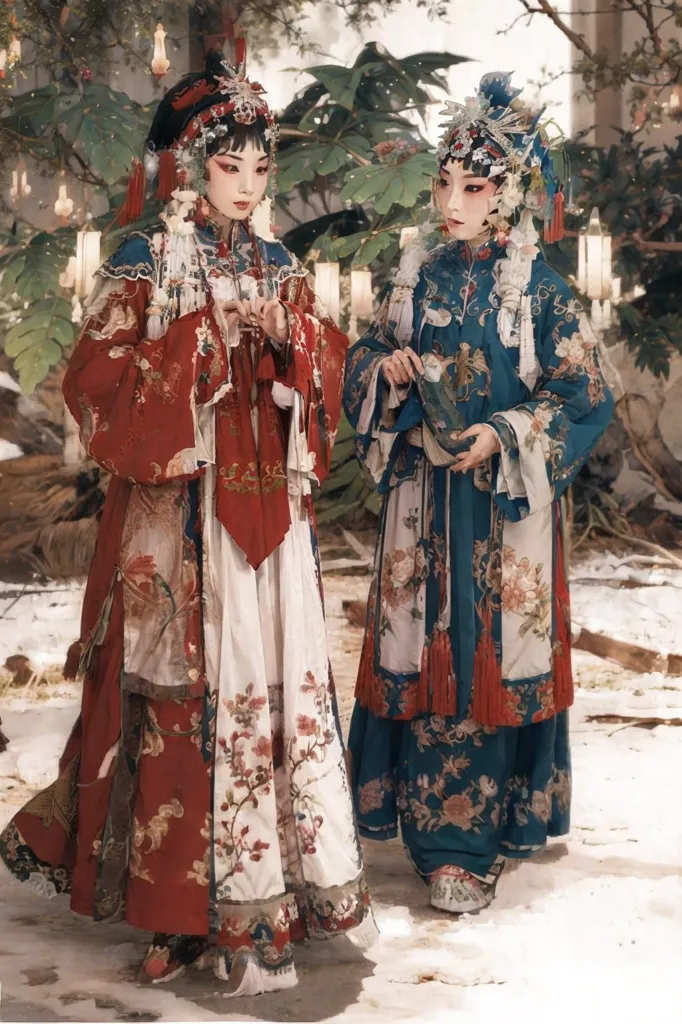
x: 590, y: 930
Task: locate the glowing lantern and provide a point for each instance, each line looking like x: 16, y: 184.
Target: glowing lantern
x: 63, y: 206
x: 361, y: 299
x: 67, y: 279
x: 327, y: 288
x: 594, y: 269
x: 20, y: 187
x: 160, y: 62
x: 14, y: 55
x: 87, y: 261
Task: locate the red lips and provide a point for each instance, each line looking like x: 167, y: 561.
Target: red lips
x: 242, y: 205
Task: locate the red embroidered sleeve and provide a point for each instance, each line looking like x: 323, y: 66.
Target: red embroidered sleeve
x: 134, y: 397
x: 318, y: 350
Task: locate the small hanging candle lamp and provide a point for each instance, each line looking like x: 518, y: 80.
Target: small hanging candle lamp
x: 67, y: 278
x: 20, y: 187
x: 160, y: 62
x: 87, y: 260
x: 64, y: 205
x: 328, y: 289
x: 14, y: 55
x: 594, y: 269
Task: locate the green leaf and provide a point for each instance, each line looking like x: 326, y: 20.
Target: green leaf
x: 386, y: 186
x: 38, y: 341
x: 341, y: 83
x: 107, y: 129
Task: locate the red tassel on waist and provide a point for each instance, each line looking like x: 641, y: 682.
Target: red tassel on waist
x: 168, y: 176
x: 489, y: 706
x: 437, y: 691
x: 134, y: 201
x: 369, y: 688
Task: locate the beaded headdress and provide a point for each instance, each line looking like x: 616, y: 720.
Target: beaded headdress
x: 495, y: 131
x: 192, y: 115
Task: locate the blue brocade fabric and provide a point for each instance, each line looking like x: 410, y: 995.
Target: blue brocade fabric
x: 460, y: 793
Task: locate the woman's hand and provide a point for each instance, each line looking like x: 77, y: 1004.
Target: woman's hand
x: 399, y: 368
x: 486, y: 443
x: 268, y: 314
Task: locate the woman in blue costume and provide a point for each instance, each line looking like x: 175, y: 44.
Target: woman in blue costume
x: 476, y: 396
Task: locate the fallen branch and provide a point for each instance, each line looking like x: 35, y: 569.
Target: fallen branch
x: 349, y: 566
x: 358, y: 547
x: 629, y: 656
x: 632, y: 721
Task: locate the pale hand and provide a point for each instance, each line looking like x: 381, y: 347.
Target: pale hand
x: 268, y: 314
x: 399, y: 368
x: 486, y: 444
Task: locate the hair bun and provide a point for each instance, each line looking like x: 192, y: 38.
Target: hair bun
x: 215, y: 64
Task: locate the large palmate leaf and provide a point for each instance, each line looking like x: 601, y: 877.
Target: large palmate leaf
x: 34, y: 272
x: 363, y: 246
x: 39, y: 340
x: 342, y: 83
x: 106, y: 129
x: 389, y: 185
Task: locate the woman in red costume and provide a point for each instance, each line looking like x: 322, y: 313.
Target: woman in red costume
x: 202, y: 795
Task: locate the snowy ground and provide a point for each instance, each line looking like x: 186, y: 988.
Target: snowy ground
x: 591, y: 929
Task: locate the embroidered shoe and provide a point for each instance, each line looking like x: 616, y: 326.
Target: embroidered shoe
x: 169, y: 955
x: 245, y: 976
x: 457, y: 891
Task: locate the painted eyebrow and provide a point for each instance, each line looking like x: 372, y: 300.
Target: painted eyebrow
x: 233, y: 156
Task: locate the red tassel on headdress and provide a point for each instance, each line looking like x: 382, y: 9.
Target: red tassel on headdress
x: 555, y: 229
x: 240, y: 53
x: 168, y: 175
x: 134, y: 201
x: 558, y: 226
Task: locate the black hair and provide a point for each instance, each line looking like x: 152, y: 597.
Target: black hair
x: 479, y: 158
x: 239, y: 135
x: 192, y: 95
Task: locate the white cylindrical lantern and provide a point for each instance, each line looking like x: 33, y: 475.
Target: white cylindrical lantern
x: 408, y: 235
x: 328, y: 288
x: 3, y: 63
x: 582, y: 262
x: 63, y: 206
x: 616, y: 289
x: 160, y: 62
x: 14, y: 55
x: 594, y: 259
x: 606, y: 267
x: 87, y: 261
x: 361, y: 297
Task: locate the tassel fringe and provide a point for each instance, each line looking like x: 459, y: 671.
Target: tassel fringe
x: 168, y: 176
x: 437, y: 683
x: 369, y: 688
x: 489, y: 705
x: 555, y: 229
x: 134, y: 201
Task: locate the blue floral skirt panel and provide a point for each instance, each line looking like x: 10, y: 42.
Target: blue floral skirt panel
x: 461, y: 793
